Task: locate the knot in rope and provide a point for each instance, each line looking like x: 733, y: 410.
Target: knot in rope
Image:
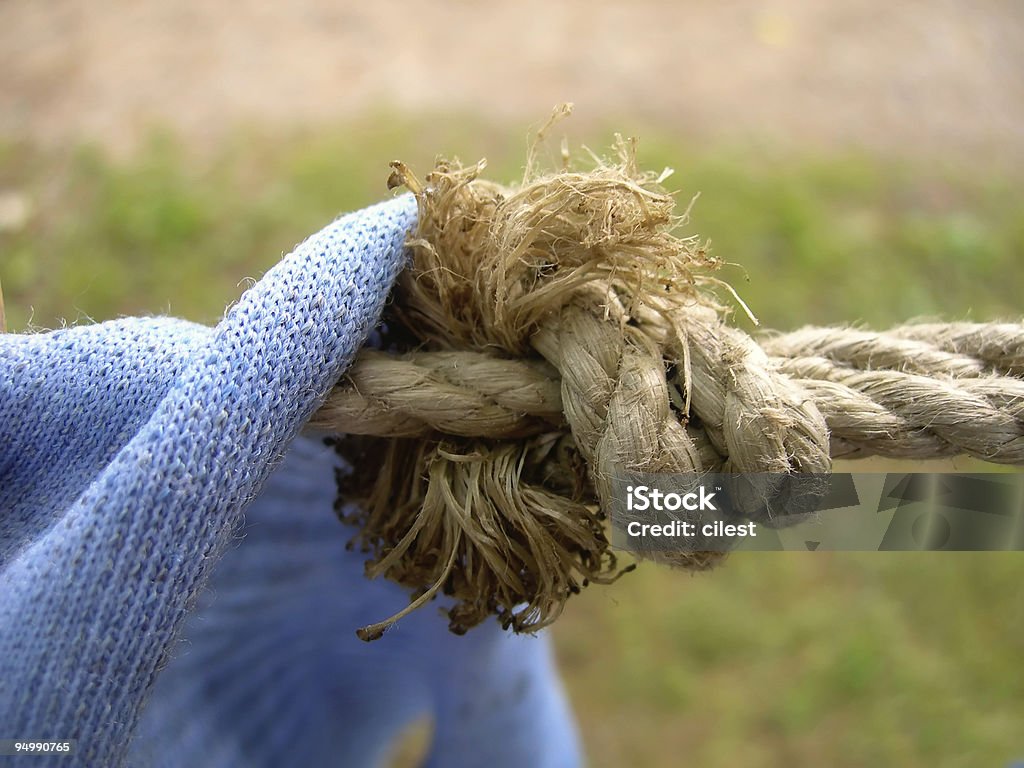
x: 546, y: 337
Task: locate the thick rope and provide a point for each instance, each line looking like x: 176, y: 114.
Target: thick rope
x: 916, y: 391
x: 552, y: 335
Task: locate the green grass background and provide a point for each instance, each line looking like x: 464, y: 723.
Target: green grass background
x: 775, y: 659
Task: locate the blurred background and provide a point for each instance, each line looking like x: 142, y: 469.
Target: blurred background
x: 858, y: 161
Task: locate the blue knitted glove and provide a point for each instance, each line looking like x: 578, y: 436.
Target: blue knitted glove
x: 129, y: 451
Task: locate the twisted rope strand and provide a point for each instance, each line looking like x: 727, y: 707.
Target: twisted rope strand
x: 907, y: 415
x: 455, y: 393
x: 957, y: 349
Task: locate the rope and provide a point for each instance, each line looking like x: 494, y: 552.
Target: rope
x: 549, y: 336
x: 920, y: 391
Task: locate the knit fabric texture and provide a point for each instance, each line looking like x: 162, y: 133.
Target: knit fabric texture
x: 135, y: 457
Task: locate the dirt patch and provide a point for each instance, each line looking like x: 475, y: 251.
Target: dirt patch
x: 933, y: 78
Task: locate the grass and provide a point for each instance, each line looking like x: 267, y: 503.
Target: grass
x: 775, y: 659
x: 788, y: 659
x: 821, y: 240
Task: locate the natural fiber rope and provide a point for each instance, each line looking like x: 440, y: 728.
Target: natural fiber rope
x: 915, y: 391
x: 550, y: 335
